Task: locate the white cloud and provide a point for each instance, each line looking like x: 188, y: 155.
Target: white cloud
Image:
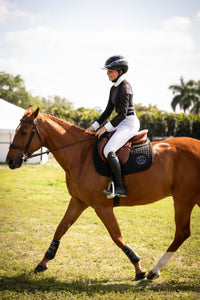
x: 177, y: 24
x: 68, y: 63
x: 198, y: 16
x: 9, y: 11
x: 31, y: 38
x: 171, y: 40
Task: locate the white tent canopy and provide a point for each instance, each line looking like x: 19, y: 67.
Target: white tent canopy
x: 10, y: 116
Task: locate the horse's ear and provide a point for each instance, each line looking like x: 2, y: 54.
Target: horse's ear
x: 29, y: 110
x: 35, y: 113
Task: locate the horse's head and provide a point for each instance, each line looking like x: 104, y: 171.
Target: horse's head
x: 25, y: 141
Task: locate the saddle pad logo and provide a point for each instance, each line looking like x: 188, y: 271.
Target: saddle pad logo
x: 141, y: 160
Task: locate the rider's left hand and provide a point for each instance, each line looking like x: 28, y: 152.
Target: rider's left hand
x: 101, y: 131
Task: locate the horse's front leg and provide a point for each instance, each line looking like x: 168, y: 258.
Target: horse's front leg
x: 74, y: 210
x: 107, y: 216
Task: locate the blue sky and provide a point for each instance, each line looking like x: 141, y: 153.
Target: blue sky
x: 59, y: 47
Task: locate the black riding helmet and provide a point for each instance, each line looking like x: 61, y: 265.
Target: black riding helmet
x: 117, y: 62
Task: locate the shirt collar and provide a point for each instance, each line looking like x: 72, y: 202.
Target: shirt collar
x: 119, y: 80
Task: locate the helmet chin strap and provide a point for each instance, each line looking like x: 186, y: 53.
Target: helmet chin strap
x: 115, y: 80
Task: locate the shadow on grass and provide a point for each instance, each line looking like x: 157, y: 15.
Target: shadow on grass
x: 29, y: 283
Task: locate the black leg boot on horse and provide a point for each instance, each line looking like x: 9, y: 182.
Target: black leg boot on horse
x: 115, y: 167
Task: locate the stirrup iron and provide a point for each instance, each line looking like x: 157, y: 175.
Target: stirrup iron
x: 110, y: 192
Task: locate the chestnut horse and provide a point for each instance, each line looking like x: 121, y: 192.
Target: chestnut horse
x: 175, y: 172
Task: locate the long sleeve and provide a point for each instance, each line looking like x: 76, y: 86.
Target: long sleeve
x: 107, y: 112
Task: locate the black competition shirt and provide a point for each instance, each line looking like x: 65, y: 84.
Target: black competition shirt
x: 120, y: 98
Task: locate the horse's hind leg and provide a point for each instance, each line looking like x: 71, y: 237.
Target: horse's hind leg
x: 107, y: 216
x: 182, y: 220
x: 74, y: 210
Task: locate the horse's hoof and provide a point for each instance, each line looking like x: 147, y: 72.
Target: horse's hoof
x: 152, y: 275
x: 40, y: 269
x: 140, y: 276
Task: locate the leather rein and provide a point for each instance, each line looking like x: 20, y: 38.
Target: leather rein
x: 33, y: 131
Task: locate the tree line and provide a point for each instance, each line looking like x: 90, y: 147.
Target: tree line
x: 163, y: 124
x: 159, y: 123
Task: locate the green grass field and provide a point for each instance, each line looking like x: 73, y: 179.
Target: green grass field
x: 88, y: 265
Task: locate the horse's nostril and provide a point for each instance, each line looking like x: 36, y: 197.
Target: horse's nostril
x: 10, y: 163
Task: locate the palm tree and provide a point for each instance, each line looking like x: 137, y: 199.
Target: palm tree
x: 187, y: 96
x: 196, y: 106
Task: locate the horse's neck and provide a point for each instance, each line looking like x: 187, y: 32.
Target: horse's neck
x: 58, y: 135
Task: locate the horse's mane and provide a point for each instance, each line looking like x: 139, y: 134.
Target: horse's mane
x: 65, y: 124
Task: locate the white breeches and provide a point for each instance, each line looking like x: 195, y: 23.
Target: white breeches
x: 124, y: 132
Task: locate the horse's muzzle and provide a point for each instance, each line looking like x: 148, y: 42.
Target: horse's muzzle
x: 14, y: 163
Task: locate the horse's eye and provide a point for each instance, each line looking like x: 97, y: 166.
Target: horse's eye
x: 23, y: 133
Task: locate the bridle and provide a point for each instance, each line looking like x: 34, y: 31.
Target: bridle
x: 32, y: 133
x: 35, y: 130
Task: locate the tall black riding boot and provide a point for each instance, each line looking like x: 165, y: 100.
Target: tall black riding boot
x: 115, y: 168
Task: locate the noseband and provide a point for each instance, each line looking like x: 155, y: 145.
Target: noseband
x: 33, y: 130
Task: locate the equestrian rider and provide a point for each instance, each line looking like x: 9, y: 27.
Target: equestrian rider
x: 125, y: 123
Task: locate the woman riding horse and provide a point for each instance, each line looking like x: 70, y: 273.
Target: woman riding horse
x: 125, y: 124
